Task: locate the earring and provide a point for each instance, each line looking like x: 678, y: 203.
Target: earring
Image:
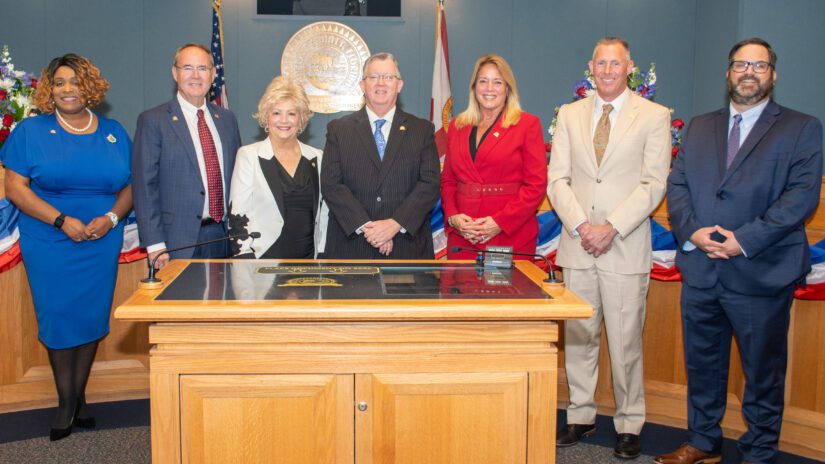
x: 266, y: 129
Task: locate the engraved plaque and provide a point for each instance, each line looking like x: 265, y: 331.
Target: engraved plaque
x: 326, y: 58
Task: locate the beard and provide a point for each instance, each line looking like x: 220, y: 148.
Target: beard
x: 749, y: 98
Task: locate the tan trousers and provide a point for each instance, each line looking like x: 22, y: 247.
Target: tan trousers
x: 619, y: 299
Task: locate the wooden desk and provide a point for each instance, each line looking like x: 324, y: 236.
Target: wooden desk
x: 449, y: 378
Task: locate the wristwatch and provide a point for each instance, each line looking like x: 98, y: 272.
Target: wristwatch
x: 58, y: 222
x: 113, y: 217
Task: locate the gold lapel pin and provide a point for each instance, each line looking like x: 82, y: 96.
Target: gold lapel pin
x: 52, y: 131
x: 495, y: 134
x: 174, y: 118
x: 403, y: 128
x: 111, y: 138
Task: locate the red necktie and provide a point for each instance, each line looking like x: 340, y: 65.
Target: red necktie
x: 213, y: 169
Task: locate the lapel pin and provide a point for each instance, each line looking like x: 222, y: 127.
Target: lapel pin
x: 403, y: 128
x: 52, y: 131
x: 111, y: 138
x: 495, y: 134
x: 174, y: 118
x: 216, y: 116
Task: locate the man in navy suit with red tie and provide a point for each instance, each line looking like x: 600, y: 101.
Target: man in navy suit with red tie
x: 182, y: 162
x: 741, y: 188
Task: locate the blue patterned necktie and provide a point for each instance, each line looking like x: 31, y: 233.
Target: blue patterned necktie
x: 733, y: 139
x: 379, y: 138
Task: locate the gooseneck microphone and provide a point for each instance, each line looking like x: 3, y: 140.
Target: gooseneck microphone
x: 551, y: 274
x: 151, y: 279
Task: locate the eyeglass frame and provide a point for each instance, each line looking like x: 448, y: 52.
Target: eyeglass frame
x: 378, y: 77
x: 191, y: 69
x: 750, y: 64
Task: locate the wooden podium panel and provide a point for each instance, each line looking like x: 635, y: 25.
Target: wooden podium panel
x: 442, y: 418
x: 302, y: 419
x: 411, y: 362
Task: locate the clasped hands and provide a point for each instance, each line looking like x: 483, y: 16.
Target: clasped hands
x: 380, y: 233
x: 596, y: 240
x: 78, y: 232
x: 475, y: 231
x: 716, y: 250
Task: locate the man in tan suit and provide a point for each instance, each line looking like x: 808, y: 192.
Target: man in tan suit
x: 608, y: 169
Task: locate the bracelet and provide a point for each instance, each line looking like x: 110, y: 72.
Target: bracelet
x: 59, y: 220
x: 113, y: 217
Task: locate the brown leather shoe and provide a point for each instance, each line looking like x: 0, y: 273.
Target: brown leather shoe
x: 687, y: 454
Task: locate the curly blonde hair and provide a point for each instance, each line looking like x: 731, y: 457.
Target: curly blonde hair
x: 92, y: 86
x: 283, y: 88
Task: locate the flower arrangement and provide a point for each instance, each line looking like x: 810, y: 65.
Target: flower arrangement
x: 16, y: 90
x: 642, y: 83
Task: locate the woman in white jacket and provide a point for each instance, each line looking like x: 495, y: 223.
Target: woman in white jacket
x: 276, y: 185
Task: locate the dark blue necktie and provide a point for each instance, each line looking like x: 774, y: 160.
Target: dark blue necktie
x: 733, y: 139
x: 379, y: 138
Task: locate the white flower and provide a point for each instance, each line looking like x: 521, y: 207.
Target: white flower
x: 6, y: 84
x: 19, y: 74
x: 651, y: 77
x: 590, y: 91
x: 20, y: 100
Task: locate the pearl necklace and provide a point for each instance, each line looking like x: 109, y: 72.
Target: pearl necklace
x: 73, y: 128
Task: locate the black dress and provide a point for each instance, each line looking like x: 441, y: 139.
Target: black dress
x: 297, y: 239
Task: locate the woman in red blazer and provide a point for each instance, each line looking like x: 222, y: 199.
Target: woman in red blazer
x: 495, y: 171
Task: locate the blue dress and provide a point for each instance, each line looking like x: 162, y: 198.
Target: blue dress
x: 72, y: 283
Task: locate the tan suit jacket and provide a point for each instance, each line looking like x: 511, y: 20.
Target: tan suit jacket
x: 624, y: 190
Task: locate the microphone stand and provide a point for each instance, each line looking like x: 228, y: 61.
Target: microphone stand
x: 551, y: 274
x: 153, y: 282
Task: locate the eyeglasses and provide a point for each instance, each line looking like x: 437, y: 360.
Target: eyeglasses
x: 759, y: 67
x: 190, y: 69
x: 389, y: 78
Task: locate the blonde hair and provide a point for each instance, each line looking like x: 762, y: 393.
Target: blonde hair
x: 512, y: 107
x: 283, y: 88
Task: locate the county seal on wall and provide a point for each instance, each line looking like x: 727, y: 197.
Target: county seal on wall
x: 326, y: 58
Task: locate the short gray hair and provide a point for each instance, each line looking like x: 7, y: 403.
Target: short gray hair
x: 381, y: 56
x: 193, y: 45
x: 612, y: 41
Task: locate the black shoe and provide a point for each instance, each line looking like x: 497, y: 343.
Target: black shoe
x: 628, y: 446
x: 571, y: 434
x: 59, y: 434
x: 84, y: 422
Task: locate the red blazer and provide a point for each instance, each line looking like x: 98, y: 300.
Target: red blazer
x: 510, y: 160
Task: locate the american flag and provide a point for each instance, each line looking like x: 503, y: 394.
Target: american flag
x: 218, y: 93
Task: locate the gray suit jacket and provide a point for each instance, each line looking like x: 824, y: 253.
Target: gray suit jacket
x: 166, y: 182
x: 359, y: 187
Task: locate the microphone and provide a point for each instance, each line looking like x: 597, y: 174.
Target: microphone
x: 151, y: 281
x: 551, y: 274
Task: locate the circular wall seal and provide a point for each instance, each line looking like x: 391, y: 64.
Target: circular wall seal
x: 326, y: 59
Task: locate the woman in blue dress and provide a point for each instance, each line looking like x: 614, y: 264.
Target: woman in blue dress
x: 67, y: 170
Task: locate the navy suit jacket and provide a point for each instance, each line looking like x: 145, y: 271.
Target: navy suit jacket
x: 166, y: 182
x: 771, y: 187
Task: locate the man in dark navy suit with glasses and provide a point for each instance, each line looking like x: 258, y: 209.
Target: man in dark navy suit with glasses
x: 741, y: 188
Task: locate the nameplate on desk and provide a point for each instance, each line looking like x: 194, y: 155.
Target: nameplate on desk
x: 319, y: 270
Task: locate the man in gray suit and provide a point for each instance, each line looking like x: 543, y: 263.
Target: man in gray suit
x: 380, y: 175
x: 182, y: 161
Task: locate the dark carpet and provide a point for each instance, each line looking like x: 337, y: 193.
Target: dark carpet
x: 122, y: 436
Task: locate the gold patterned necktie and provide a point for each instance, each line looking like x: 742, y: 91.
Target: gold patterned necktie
x: 602, y: 133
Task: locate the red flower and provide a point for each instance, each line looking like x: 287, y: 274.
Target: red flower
x: 8, y: 120
x: 4, y: 134
x: 581, y: 92
x: 34, y: 83
x: 548, y: 147
x: 674, y: 151
x: 3, y: 94
x: 678, y: 123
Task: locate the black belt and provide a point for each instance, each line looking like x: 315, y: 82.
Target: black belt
x: 208, y: 222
